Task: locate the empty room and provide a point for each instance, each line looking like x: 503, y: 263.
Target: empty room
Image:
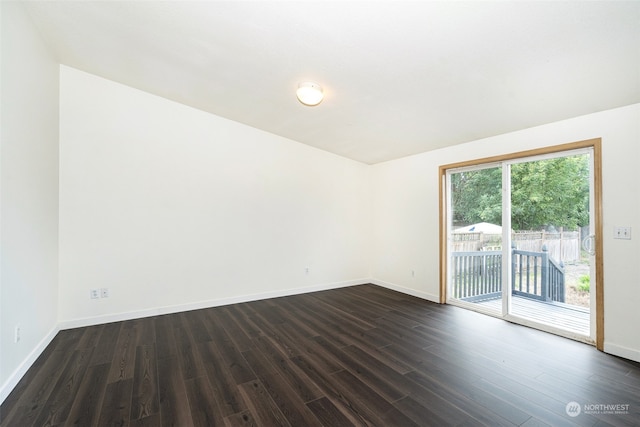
x: 308, y: 213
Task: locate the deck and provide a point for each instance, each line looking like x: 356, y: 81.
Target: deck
x: 571, y: 318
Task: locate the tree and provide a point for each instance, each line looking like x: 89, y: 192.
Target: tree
x: 477, y: 196
x: 544, y: 193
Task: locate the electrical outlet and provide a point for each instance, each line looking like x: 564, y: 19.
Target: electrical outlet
x: 16, y: 334
x: 306, y: 271
x: 94, y: 293
x: 104, y: 293
x: 622, y: 233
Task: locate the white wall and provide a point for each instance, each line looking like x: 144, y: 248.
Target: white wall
x: 28, y: 195
x: 405, y: 202
x: 172, y: 208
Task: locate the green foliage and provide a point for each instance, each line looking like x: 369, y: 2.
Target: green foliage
x: 477, y: 196
x: 584, y: 284
x: 552, y: 192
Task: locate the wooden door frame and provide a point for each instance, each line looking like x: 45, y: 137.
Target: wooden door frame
x: 596, y: 145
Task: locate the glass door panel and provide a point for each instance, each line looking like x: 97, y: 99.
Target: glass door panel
x: 476, y: 237
x: 550, y: 273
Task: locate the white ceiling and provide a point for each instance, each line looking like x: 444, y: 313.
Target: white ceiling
x: 399, y: 77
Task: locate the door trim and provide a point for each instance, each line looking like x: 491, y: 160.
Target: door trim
x: 596, y: 145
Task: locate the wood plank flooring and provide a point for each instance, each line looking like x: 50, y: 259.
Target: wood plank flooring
x: 357, y: 356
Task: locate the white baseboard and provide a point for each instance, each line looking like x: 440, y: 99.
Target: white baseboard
x: 138, y: 314
x: 22, y: 369
x: 618, y: 350
x: 408, y: 291
x: 17, y: 375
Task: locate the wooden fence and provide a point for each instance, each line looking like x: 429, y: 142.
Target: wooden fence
x: 562, y: 246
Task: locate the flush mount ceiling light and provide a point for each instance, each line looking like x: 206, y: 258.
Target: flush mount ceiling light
x: 309, y: 93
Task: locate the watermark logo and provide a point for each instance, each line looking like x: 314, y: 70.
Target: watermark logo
x: 606, y: 408
x: 573, y: 409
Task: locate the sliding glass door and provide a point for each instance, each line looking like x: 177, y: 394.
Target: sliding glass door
x: 520, y: 240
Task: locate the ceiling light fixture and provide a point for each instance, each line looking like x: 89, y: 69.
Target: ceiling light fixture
x: 309, y: 93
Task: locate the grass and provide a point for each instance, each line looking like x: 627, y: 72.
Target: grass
x: 584, y: 283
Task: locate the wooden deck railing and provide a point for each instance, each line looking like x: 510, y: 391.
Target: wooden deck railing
x: 536, y: 275
x: 477, y: 275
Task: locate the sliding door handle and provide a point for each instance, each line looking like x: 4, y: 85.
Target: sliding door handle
x: 588, y: 244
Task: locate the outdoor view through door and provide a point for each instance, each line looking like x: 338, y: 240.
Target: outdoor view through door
x: 520, y: 240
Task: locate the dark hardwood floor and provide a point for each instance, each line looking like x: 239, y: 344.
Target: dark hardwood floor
x: 362, y: 355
